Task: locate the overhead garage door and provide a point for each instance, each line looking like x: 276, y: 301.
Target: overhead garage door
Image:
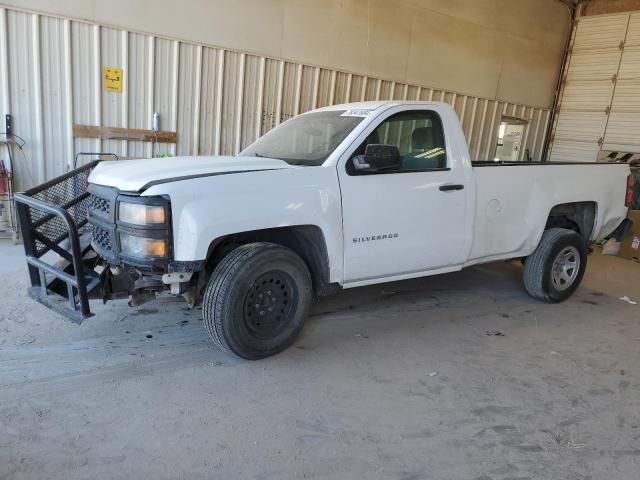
x: 600, y: 103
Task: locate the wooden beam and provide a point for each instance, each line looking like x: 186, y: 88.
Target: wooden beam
x: 116, y: 133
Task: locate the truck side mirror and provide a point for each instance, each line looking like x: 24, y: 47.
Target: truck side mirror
x: 378, y: 158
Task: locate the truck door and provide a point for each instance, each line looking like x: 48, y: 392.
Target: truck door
x: 411, y: 219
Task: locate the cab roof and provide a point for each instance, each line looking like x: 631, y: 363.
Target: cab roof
x: 374, y: 105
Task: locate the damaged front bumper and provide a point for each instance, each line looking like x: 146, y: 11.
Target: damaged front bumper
x: 79, y: 247
x: 142, y: 285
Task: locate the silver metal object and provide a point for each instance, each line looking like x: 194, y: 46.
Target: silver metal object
x: 565, y: 268
x: 176, y: 277
x: 155, y: 122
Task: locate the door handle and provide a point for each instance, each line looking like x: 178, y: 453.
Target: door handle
x: 450, y: 187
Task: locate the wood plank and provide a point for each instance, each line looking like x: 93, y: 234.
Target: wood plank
x: 116, y: 133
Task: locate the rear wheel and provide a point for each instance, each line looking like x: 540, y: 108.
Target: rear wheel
x: 555, y: 269
x: 257, y: 300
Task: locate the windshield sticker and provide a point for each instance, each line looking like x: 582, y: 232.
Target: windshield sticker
x: 357, y: 112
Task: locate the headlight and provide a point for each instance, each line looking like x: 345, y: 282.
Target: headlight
x: 140, y: 214
x: 142, y: 246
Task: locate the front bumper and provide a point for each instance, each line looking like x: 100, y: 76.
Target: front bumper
x: 72, y: 260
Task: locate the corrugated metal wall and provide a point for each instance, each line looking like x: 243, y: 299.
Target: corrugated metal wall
x: 599, y: 108
x: 217, y: 100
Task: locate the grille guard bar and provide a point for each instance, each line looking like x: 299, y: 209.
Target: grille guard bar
x: 57, y: 243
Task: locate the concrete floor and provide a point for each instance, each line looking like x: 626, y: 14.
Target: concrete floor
x: 461, y: 376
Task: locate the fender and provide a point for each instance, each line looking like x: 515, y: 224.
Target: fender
x: 209, y: 208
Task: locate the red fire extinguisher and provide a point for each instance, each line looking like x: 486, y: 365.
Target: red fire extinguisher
x: 4, y: 179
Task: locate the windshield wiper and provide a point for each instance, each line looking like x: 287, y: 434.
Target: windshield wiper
x: 290, y: 161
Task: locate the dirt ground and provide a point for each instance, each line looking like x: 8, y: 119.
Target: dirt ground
x: 461, y: 376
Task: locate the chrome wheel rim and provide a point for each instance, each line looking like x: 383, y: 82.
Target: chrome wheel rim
x: 565, y: 268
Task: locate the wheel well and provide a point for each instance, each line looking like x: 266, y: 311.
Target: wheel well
x: 306, y: 240
x: 577, y: 216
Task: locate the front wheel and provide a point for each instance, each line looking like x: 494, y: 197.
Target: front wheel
x: 257, y: 300
x: 555, y: 269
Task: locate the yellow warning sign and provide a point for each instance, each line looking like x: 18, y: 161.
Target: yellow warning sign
x: 112, y: 79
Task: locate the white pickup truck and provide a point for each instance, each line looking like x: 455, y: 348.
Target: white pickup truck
x: 339, y: 197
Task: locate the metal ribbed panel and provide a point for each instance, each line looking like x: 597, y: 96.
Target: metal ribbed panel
x: 231, y: 90
x: 460, y: 106
x: 386, y: 90
x: 592, y: 65
x: 398, y: 91
x: 478, y: 127
x: 584, y: 126
x: 252, y: 98
x: 476, y: 124
x: 343, y: 85
x: 4, y: 64
x: 217, y: 101
x: 289, y: 89
x: 23, y: 55
x: 587, y: 96
x: 633, y: 31
x: 600, y: 32
x: 323, y: 91
x: 140, y: 82
x: 614, y: 116
x: 307, y: 85
x: 597, y: 61
x: 630, y: 64
x: 56, y: 95
x: 371, y: 89
x: 413, y: 92
x: 357, y: 88
x: 450, y: 98
x: 571, y: 151
x: 494, y: 116
x: 85, y: 75
x: 114, y: 53
x: 542, y: 122
x: 188, y: 108
x: 272, y: 94
x: 528, y: 144
x: 627, y: 97
x: 209, y: 112
x: 165, y: 89
x: 624, y: 129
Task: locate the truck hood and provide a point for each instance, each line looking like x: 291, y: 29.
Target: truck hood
x: 138, y: 175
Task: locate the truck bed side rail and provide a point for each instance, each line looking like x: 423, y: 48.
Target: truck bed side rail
x: 57, y: 243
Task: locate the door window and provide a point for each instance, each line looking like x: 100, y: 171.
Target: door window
x: 419, y: 136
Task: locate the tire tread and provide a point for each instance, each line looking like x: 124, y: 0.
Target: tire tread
x: 534, y: 265
x: 217, y: 292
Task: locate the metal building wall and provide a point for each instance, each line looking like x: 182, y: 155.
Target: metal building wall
x: 218, y: 100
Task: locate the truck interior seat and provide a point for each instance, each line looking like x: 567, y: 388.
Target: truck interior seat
x: 425, y: 152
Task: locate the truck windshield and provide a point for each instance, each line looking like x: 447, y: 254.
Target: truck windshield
x: 308, y: 139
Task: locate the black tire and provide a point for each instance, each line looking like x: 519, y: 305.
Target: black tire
x: 257, y: 300
x: 542, y: 272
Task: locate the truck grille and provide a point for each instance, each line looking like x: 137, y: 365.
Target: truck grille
x: 102, y: 238
x: 100, y: 204
x: 102, y: 207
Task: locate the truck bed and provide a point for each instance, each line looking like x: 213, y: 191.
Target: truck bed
x: 513, y: 204
x: 493, y: 163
